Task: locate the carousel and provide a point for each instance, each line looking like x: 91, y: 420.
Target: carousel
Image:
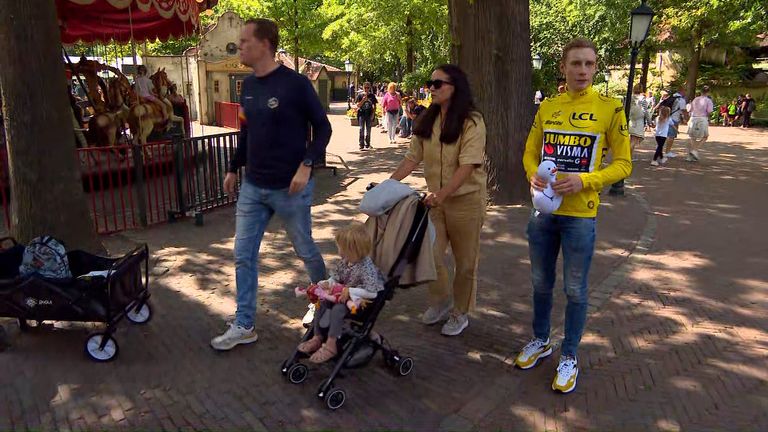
x: 121, y: 112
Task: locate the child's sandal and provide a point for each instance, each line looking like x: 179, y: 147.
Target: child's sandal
x: 310, y: 346
x: 322, y: 355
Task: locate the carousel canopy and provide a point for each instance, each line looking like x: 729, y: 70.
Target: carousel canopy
x: 123, y: 20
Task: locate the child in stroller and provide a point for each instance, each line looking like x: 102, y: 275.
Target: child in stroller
x: 361, y: 281
x: 397, y: 232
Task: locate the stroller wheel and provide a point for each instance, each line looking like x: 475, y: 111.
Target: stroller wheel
x: 335, y: 399
x: 297, y: 373
x: 105, y: 354
x: 141, y: 316
x: 405, y: 366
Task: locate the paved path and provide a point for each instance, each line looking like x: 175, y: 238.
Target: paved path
x: 676, y: 338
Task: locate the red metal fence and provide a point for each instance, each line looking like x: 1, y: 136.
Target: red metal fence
x: 134, y: 186
x: 227, y: 114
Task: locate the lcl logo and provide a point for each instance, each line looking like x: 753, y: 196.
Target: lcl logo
x: 583, y: 116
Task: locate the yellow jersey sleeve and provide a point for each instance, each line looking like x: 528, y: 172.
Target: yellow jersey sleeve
x: 532, y: 154
x: 617, y: 141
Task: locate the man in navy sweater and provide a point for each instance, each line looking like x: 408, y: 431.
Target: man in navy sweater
x: 277, y: 108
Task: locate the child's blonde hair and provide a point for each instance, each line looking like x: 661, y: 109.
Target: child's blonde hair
x: 354, y: 242
x: 664, y: 113
x: 391, y: 87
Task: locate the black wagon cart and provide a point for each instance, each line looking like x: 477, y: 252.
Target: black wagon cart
x: 101, y: 289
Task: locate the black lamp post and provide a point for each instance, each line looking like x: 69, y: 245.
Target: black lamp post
x: 639, y: 26
x: 349, y: 67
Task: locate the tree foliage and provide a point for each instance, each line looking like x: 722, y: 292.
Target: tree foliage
x: 692, y: 25
x: 555, y: 22
x: 378, y: 35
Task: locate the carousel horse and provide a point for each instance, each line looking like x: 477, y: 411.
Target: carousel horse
x: 146, y: 116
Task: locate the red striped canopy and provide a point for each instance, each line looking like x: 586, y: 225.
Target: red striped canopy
x: 123, y: 20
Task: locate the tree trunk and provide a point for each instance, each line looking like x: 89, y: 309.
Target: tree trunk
x: 296, y: 36
x: 693, y: 65
x: 646, y: 63
x: 46, y: 188
x: 409, y: 54
x: 491, y: 42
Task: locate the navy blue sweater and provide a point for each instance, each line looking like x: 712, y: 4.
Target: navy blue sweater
x: 279, y: 109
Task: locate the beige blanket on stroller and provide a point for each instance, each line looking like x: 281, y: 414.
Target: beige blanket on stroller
x: 390, y: 232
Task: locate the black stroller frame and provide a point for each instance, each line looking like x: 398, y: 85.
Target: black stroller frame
x: 356, y: 345
x: 122, y: 293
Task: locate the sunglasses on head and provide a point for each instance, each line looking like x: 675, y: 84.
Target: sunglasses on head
x: 437, y: 83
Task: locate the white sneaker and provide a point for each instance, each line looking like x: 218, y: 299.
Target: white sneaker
x: 435, y: 314
x: 309, y: 317
x: 235, y: 335
x: 695, y: 154
x: 670, y: 155
x: 455, y: 325
x: 531, y: 353
x: 567, y: 373
x: 654, y: 163
x: 664, y: 160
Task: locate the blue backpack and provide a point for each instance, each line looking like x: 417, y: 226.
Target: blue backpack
x: 45, y: 256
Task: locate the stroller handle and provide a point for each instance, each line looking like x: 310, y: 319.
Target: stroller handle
x: 371, y: 185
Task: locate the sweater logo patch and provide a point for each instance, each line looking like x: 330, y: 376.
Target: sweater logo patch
x: 572, y: 152
x: 273, y: 102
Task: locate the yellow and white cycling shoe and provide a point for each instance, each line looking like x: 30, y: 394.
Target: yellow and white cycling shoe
x: 567, y: 373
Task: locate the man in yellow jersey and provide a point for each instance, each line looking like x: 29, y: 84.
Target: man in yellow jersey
x: 575, y: 130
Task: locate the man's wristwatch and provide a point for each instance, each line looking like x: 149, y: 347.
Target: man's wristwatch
x: 307, y: 162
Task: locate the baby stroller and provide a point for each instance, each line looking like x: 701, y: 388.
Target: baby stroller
x: 100, y: 290
x: 357, y: 346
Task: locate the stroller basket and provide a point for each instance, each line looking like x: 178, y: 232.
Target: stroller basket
x: 358, y: 344
x: 101, y: 290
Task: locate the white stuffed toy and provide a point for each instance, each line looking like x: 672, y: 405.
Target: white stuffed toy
x: 547, y: 201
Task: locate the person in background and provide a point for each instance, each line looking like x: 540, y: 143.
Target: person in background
x: 391, y: 104
x: 366, y: 109
x: 748, y: 106
x: 636, y: 119
x: 698, y: 127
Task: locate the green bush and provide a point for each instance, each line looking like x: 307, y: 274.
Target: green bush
x: 414, y: 80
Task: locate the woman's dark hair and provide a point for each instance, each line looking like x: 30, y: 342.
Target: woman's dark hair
x: 459, y: 110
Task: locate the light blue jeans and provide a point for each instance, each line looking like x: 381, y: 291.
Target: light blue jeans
x: 255, y: 207
x: 392, y: 125
x: 547, y: 234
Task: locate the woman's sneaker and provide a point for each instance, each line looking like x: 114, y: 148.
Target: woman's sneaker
x: 435, y: 314
x: 455, y: 325
x: 234, y: 336
x: 534, y: 351
x: 654, y: 163
x: 567, y: 373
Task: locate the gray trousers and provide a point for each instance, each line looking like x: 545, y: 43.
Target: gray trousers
x: 330, y: 318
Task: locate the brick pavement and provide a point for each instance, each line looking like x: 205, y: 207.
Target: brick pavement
x: 676, y: 339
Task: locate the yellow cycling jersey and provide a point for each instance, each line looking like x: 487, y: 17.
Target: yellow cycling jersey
x: 575, y: 130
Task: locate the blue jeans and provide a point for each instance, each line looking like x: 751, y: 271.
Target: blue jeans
x: 365, y: 130
x: 405, y: 126
x: 546, y: 235
x: 255, y: 207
